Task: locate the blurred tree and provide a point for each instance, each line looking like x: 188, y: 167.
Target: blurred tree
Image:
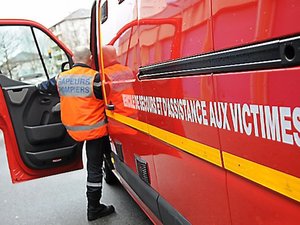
x: 7, y: 49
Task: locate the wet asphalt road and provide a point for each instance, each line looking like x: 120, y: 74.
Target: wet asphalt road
x: 60, y: 200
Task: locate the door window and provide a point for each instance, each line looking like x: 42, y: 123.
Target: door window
x: 28, y: 54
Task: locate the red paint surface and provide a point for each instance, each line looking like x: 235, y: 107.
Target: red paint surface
x: 202, y: 192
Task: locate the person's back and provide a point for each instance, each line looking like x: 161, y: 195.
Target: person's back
x: 81, y: 112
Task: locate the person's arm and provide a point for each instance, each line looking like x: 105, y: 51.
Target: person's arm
x: 98, y: 87
x: 48, y: 86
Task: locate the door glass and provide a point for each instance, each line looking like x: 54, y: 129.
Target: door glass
x: 20, y: 58
x: 52, y: 54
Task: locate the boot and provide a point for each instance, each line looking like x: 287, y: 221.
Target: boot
x: 99, y: 211
x: 96, y: 210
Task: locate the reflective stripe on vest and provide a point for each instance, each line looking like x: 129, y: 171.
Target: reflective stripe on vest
x: 75, y: 85
x: 87, y: 127
x: 97, y: 84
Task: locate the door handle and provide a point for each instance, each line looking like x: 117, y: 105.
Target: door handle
x: 18, y: 95
x: 110, y: 106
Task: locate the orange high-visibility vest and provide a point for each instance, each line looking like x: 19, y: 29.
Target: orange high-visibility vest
x: 81, y: 112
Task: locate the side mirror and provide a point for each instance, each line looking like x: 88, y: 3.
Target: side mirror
x: 65, y: 66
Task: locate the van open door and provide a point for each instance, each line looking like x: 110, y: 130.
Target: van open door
x: 36, y: 141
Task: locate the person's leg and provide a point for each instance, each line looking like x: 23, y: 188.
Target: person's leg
x: 94, y: 152
x: 107, y: 152
x: 94, y: 170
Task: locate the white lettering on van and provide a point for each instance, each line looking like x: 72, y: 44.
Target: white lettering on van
x: 274, y: 123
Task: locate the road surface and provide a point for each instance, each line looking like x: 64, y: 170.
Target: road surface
x: 60, y: 200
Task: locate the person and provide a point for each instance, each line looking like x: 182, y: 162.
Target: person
x: 82, y: 113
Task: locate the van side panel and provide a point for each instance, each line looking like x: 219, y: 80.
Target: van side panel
x: 238, y: 23
x: 261, y: 141
x: 214, y: 134
x: 124, y: 128
x: 263, y: 159
x: 191, y: 184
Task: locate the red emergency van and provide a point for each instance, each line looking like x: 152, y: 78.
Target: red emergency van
x: 205, y: 127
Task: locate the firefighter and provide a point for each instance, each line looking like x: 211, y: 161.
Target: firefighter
x: 82, y: 113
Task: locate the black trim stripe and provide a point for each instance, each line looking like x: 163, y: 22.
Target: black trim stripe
x: 39, y: 51
x: 166, y: 213
x: 143, y: 190
x: 267, y: 55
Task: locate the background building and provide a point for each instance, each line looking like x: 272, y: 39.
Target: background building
x: 74, y: 30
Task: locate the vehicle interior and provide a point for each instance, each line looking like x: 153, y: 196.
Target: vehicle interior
x: 31, y: 58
